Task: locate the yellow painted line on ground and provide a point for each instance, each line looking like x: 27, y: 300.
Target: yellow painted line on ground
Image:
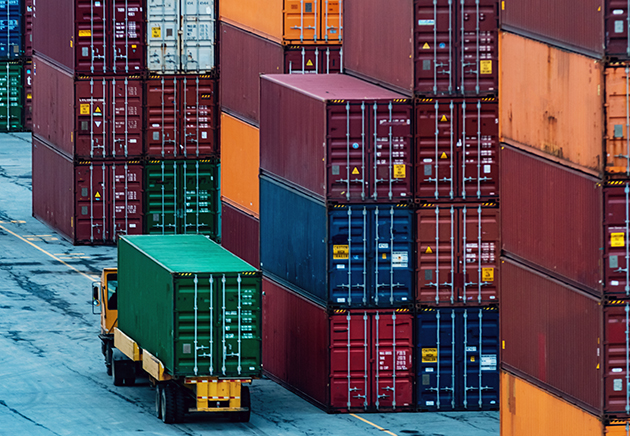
x: 373, y: 425
x: 47, y: 253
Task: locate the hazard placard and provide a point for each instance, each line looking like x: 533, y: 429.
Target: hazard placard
x: 400, y: 171
x: 443, y: 119
x: 443, y: 156
x: 426, y: 46
x: 429, y: 355
x: 487, y: 274
x: 309, y: 63
x: 485, y: 67
x: 355, y: 170
x: 97, y: 111
x: 428, y: 250
x: 97, y: 195
x: 341, y: 252
x: 85, y: 33
x: 85, y: 109
x: 617, y: 240
x: 156, y: 32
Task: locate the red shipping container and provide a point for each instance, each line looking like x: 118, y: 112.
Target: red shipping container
x: 182, y: 116
x: 617, y: 236
x: 97, y: 201
x: 457, y: 149
x: 28, y: 94
x: 28, y: 27
x: 458, y: 250
x: 616, y: 22
x: 617, y: 357
x: 355, y: 361
x: 545, y: 201
x: 366, y: 131
x: 240, y: 233
x: 95, y: 37
x: 91, y: 117
x: 442, y: 47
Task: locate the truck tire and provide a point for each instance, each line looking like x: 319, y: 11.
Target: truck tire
x: 130, y: 373
x: 169, y: 407
x: 158, y: 400
x: 245, y: 402
x: 108, y: 358
x: 180, y: 404
x: 116, y: 370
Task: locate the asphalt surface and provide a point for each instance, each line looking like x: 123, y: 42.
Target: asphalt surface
x: 52, y: 375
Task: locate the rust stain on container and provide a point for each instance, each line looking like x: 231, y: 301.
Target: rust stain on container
x: 527, y: 410
x: 551, y: 101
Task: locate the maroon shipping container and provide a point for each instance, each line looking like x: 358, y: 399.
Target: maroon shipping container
x: 575, y: 25
x: 366, y: 131
x: 96, y: 37
x: 240, y: 233
x: 617, y: 236
x: 355, y: 360
x: 616, y: 21
x: 551, y: 335
x: 442, y: 47
x: 182, y: 116
x: 551, y: 218
x: 106, y: 113
x: 28, y: 93
x: 617, y: 358
x: 28, y: 27
x: 246, y: 56
x: 457, y: 149
x: 458, y: 250
x: 105, y: 197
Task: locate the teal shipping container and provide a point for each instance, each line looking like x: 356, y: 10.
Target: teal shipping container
x: 190, y: 303
x: 11, y: 96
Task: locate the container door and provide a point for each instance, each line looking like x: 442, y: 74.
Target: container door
x: 301, y: 20
x: 162, y: 198
x: 126, y: 118
x: 128, y: 36
x: 391, y: 163
x: 392, y: 350
x: 435, y: 47
x: 331, y: 60
x: 436, y: 148
x: 197, y: 40
x: 437, y: 254
x: 350, y: 361
x: 617, y: 359
x: 617, y: 234
x: 199, y: 198
x: 11, y: 99
x: 163, y: 17
x: 28, y: 94
x: 332, y: 21
x: 199, y: 126
x: 437, y: 353
x: 617, y: 113
x: 349, y: 240
x: 479, y: 255
x: 162, y: 114
x: 92, y: 107
x: 11, y: 29
x: 617, y: 42
x: 126, y: 199
x: 92, y: 194
x: 348, y: 160
x: 303, y: 60
x: 91, y: 36
x: 392, y: 256
x: 478, y: 57
x: 478, y: 149
x: 480, y: 381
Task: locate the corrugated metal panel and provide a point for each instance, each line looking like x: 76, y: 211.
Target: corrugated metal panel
x: 578, y: 26
x: 552, y: 334
x: 313, y: 59
x: 617, y: 136
x: 240, y: 233
x: 11, y: 29
x: 457, y: 359
x: 617, y: 358
x: 544, y: 201
x: 527, y: 410
x: 458, y: 250
x: 29, y: 8
x: 28, y: 94
x: 54, y: 32
x: 565, y: 120
x: 265, y: 19
x: 456, y: 149
x: 616, y: 22
x: 11, y: 96
x: 617, y: 239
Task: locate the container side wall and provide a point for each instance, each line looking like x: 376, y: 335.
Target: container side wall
x: 240, y: 233
x: 264, y: 19
x: 54, y: 31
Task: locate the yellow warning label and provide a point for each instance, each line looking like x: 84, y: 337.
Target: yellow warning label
x: 97, y: 110
x: 85, y: 33
x: 97, y: 195
x: 443, y: 119
x: 355, y: 170
x: 29, y: 95
x: 429, y: 355
x: 428, y: 250
x: 472, y: 358
x: 443, y: 156
x: 341, y: 252
x: 400, y: 171
x: 617, y: 240
x: 309, y: 63
x: 485, y: 67
x: 487, y: 274
x: 426, y: 46
x: 85, y: 109
x: 156, y: 32
x: 384, y: 256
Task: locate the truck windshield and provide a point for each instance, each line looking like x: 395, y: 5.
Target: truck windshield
x: 112, y: 287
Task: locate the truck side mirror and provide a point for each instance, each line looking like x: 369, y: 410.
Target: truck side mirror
x: 96, y: 303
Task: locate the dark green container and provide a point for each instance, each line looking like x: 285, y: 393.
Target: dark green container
x: 191, y: 303
x: 182, y: 198
x: 11, y: 101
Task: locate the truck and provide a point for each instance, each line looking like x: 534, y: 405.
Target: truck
x: 186, y: 313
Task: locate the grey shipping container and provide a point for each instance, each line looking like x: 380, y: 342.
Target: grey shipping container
x: 190, y: 303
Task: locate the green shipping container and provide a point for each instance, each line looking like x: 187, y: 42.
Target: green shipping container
x: 191, y: 303
x: 11, y: 101
x: 182, y: 198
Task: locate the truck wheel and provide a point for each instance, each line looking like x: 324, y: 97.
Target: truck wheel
x: 130, y: 373
x: 180, y: 403
x: 116, y: 370
x: 158, y: 400
x: 108, y: 359
x: 168, y: 404
x: 245, y: 402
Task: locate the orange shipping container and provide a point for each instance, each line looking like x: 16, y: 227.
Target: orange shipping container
x: 240, y: 161
x: 617, y: 119
x: 551, y: 102
x: 287, y: 21
x: 527, y: 410
x: 618, y: 428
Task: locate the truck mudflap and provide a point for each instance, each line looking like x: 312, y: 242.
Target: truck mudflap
x: 219, y: 395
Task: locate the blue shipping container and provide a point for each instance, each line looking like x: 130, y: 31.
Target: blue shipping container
x: 11, y: 32
x: 346, y: 256
x: 458, y: 359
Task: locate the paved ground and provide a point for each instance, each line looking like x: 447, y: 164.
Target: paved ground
x: 52, y: 376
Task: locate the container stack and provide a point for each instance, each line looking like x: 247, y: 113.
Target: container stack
x: 125, y: 119
x: 272, y: 37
